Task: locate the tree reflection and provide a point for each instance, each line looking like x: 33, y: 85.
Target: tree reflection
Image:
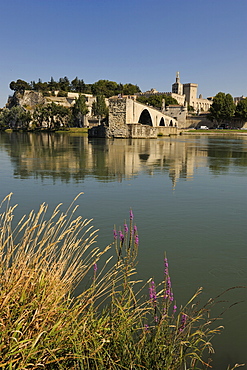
x: 69, y: 158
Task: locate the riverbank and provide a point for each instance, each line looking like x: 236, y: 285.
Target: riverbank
x: 213, y: 132
x: 74, y: 130
x: 79, y: 130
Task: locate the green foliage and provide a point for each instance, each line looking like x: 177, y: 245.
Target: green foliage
x: 51, y: 116
x: 110, y: 88
x: 19, y: 85
x: 78, y: 85
x: 79, y: 110
x: 53, y: 85
x: 190, y: 108
x: 101, y: 87
x: 15, y: 118
x: 99, y: 107
x: 241, y: 109
x: 62, y: 94
x: 156, y: 100
x: 64, y: 84
x: 223, y: 108
x: 112, y: 324
x: 105, y: 87
x: 46, y: 93
x: 130, y: 89
x: 40, y: 86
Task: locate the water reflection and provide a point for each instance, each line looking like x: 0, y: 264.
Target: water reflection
x: 201, y: 225
x: 72, y: 158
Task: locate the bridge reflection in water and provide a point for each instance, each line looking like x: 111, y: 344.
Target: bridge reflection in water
x: 72, y: 158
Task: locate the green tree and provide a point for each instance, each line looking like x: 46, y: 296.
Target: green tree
x: 41, y: 86
x: 20, y: 86
x: 51, y: 116
x: 241, y: 110
x: 130, y: 89
x: 105, y: 87
x: 52, y: 85
x: 223, y: 108
x: 15, y: 118
x: 78, y: 85
x: 79, y: 110
x: 156, y: 100
x: 99, y: 107
x: 62, y: 93
x: 64, y: 84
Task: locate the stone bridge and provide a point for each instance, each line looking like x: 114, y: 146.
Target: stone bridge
x: 128, y: 111
x: 131, y: 119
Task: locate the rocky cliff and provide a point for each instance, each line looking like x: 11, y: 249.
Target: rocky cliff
x: 28, y: 99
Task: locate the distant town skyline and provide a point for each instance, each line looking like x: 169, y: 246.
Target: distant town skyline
x: 144, y: 42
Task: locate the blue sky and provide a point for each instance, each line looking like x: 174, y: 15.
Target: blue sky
x: 143, y: 42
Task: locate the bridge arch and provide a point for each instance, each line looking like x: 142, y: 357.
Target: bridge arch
x: 145, y: 118
x: 162, y: 122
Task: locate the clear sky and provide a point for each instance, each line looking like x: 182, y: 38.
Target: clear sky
x: 143, y: 42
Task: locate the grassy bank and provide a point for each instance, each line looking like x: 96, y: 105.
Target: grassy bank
x: 75, y: 130
x: 79, y: 130
x: 225, y: 132
x: 115, y: 323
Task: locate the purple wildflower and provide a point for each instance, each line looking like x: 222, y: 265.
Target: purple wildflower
x: 115, y: 234
x: 135, y: 229
x: 168, y: 287
x: 136, y: 240
x: 131, y: 215
x: 183, y: 322
x: 152, y: 292
x: 174, y: 309
x: 95, y: 267
x: 168, y: 292
x: 146, y: 327
x: 166, y: 267
x: 126, y: 228
x: 121, y: 236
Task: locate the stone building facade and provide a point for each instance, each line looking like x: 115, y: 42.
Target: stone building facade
x: 198, y: 104
x: 185, y: 94
x: 189, y: 93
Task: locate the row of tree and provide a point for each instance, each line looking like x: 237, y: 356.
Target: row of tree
x: 157, y: 100
x: 224, y: 109
x: 52, y: 116
x: 64, y: 85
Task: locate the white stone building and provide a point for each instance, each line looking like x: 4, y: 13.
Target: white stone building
x: 189, y: 91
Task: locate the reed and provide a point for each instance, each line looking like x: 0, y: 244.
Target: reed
x: 116, y: 322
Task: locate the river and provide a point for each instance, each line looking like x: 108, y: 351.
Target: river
x: 188, y: 194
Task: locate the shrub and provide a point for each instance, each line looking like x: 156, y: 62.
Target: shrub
x: 62, y: 94
x: 112, y: 324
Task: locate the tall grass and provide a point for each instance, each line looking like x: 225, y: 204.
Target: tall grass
x: 115, y: 323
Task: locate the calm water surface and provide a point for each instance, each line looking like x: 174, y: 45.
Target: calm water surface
x: 188, y: 195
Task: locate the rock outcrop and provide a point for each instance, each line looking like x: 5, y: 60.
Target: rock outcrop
x: 27, y: 99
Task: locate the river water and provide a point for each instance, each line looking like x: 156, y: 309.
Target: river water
x: 188, y: 195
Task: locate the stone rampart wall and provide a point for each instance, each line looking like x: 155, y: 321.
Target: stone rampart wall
x: 197, y: 121
x: 167, y: 131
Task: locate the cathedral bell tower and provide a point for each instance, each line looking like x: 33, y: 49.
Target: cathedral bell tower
x: 177, y: 87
